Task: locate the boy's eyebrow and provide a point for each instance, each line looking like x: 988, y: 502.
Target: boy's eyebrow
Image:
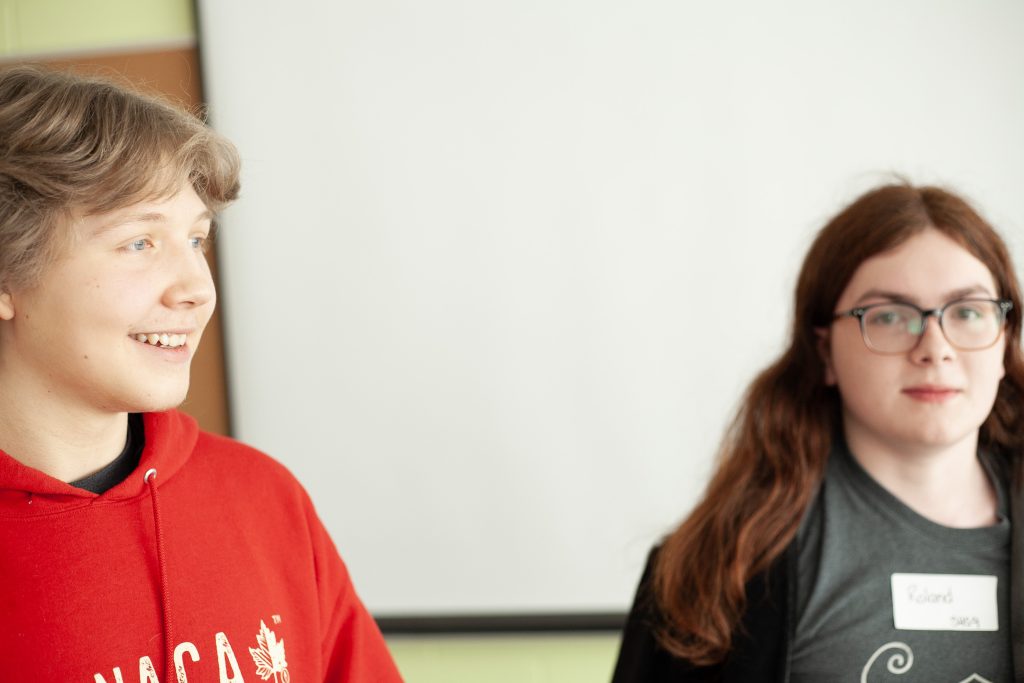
x: 896, y: 296
x: 144, y: 217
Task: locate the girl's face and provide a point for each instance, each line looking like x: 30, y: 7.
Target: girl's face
x: 935, y: 395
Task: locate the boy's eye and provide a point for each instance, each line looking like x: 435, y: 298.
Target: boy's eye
x: 138, y: 245
x: 199, y: 243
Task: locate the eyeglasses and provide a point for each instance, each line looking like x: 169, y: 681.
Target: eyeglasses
x: 968, y: 324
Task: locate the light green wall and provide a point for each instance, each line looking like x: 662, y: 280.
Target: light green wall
x: 39, y: 27
x: 29, y: 27
x: 506, y: 659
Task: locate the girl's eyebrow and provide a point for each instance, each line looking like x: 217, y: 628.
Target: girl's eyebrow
x: 899, y: 297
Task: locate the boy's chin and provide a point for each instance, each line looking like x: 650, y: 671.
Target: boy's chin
x: 156, y: 404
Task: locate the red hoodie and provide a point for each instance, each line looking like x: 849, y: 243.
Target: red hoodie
x: 216, y: 567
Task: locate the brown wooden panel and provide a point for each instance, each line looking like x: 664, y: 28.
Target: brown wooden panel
x: 173, y: 74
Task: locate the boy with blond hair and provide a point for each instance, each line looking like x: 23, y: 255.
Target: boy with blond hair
x: 134, y: 546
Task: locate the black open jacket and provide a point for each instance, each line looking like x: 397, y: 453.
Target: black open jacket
x: 761, y: 644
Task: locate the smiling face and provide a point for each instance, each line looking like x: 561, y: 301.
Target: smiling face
x: 935, y: 395
x: 134, y: 274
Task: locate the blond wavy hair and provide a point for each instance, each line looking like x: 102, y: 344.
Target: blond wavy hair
x: 71, y: 144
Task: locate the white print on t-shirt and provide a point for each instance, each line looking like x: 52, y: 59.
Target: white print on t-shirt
x: 268, y: 657
x: 900, y: 662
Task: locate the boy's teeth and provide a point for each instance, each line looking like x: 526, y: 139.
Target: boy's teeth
x: 170, y: 340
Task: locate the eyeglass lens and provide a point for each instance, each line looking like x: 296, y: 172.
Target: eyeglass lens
x: 897, y: 327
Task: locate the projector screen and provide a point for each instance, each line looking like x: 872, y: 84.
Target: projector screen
x: 501, y: 271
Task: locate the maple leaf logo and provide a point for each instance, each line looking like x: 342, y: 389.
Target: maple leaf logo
x: 269, y: 656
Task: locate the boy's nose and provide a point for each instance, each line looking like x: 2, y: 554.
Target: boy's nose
x: 192, y: 284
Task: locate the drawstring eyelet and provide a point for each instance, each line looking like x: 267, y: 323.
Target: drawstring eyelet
x: 150, y: 473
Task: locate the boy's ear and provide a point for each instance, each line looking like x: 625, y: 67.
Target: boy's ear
x: 6, y: 306
x: 825, y: 353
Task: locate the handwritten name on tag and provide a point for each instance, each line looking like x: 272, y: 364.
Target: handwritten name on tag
x: 944, y: 602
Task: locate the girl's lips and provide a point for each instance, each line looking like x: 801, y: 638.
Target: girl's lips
x: 930, y: 394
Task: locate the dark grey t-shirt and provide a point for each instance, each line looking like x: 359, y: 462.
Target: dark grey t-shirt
x: 855, y: 538
x: 123, y: 465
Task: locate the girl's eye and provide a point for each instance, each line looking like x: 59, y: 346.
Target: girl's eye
x: 199, y: 243
x: 138, y: 245
x: 885, y: 318
x: 967, y: 313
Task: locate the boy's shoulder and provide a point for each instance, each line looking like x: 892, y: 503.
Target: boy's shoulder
x: 232, y: 463
x: 241, y: 458
x: 232, y: 449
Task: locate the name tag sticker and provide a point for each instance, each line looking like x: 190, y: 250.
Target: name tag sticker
x: 944, y: 602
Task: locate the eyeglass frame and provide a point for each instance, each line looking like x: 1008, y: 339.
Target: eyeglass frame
x: 1005, y: 306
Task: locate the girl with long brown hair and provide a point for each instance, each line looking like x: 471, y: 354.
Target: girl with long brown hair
x: 865, y: 518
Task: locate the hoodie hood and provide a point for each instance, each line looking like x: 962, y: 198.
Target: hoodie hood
x: 170, y: 440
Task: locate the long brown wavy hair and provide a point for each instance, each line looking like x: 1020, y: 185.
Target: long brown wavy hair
x: 773, y: 455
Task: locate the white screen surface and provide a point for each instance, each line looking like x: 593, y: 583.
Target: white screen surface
x: 501, y: 270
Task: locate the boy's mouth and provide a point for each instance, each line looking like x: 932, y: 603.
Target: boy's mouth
x: 162, y: 339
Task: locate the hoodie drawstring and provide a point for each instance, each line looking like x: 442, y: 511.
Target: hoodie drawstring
x: 165, y: 597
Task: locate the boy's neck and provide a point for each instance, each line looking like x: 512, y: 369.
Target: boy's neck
x: 53, y: 437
